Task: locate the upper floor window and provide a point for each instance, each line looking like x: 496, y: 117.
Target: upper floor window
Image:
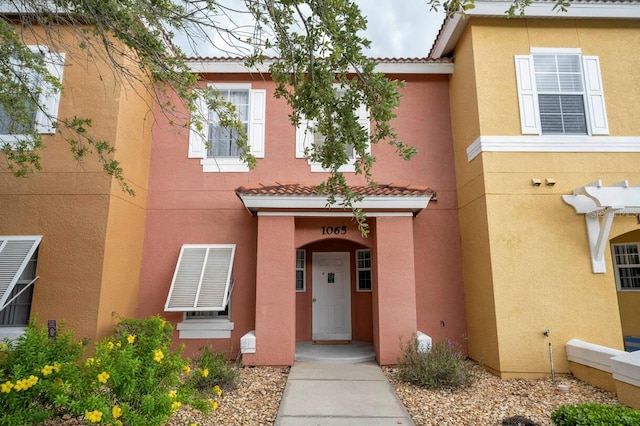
x: 626, y: 260
x: 216, y: 145
x: 560, y: 93
x: 43, y: 107
x: 307, y: 137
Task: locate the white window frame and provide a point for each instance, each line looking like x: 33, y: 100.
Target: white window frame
x: 617, y: 267
x: 302, y: 269
x: 255, y: 131
x: 595, y: 109
x: 305, y: 138
x: 217, y: 326
x: 359, y: 269
x: 49, y: 99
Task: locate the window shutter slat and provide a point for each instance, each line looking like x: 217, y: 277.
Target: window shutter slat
x: 527, y: 96
x: 257, y: 123
x: 15, y: 253
x: 595, y: 96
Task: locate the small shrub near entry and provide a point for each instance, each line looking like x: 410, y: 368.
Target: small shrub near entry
x: 592, y: 414
x: 212, y: 370
x: 444, y: 366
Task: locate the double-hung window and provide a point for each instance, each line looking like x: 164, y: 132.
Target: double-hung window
x: 363, y: 270
x: 44, y: 109
x: 626, y: 260
x: 560, y: 93
x: 215, y: 144
x: 307, y: 138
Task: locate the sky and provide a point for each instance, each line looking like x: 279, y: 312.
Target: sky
x: 400, y: 28
x: 396, y: 28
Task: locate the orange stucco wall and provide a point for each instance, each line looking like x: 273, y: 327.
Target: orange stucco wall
x: 90, y: 253
x: 186, y: 205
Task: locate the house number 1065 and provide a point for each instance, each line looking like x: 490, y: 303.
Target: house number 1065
x: 334, y: 230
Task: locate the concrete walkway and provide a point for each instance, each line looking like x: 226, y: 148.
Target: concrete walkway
x: 340, y: 394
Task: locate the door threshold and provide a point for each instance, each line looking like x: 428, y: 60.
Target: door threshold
x: 331, y: 342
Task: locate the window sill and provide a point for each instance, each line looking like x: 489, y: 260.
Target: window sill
x: 11, y: 333
x: 205, y: 329
x: 222, y: 165
x: 553, y: 143
x: 346, y: 168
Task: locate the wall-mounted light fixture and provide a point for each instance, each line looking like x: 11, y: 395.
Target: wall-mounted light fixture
x: 550, y: 181
x: 536, y: 182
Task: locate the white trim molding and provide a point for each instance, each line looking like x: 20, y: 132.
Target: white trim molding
x: 553, y: 143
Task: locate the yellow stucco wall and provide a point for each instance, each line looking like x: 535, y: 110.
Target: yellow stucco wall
x: 535, y: 271
x: 89, y: 257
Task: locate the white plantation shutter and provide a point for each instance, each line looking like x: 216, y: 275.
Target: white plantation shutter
x: 15, y: 253
x: 595, y: 95
x: 197, y: 141
x: 202, y: 278
x: 257, y: 123
x: 304, y: 137
x: 50, y: 98
x: 527, y: 95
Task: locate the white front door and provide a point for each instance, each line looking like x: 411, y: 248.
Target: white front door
x: 331, y: 294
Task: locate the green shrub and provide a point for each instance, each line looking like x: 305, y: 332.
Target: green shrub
x: 212, y: 369
x: 592, y: 414
x: 133, y: 378
x: 444, y: 366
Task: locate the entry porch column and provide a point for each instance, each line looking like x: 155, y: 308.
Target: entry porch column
x: 394, y: 296
x: 275, y: 325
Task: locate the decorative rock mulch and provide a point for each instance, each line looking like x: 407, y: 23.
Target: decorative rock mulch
x: 490, y: 399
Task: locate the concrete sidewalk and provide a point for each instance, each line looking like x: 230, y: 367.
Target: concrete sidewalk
x: 340, y: 394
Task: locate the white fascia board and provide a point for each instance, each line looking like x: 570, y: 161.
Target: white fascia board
x: 453, y: 26
x: 388, y: 67
x: 256, y: 202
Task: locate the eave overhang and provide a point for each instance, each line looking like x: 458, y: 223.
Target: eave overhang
x: 453, y: 26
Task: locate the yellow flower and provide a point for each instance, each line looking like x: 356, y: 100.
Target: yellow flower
x: 175, y: 405
x: 162, y: 323
x: 172, y: 393
x: 186, y: 369
x: 217, y: 390
x: 118, y: 344
x: 214, y: 404
x: 56, y: 367
x: 205, y: 372
x: 193, y: 424
x: 158, y: 355
x: 93, y: 416
x: 6, y: 387
x: 103, y: 377
x: 131, y: 338
x: 3, y: 347
x: 116, y: 411
x: 21, y: 385
x: 117, y: 423
x: 32, y: 380
x: 46, y: 370
x: 90, y: 361
x: 110, y: 345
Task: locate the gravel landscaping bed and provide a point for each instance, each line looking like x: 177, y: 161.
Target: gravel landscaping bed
x: 490, y: 399
x: 256, y: 399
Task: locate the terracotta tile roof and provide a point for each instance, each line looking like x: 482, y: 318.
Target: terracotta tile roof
x: 421, y: 60
x: 295, y: 189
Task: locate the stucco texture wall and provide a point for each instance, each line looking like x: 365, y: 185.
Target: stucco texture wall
x: 526, y: 255
x: 92, y: 232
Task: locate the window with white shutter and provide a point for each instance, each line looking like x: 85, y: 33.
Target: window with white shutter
x: 202, y: 278
x: 306, y: 138
x: 45, y: 112
x: 560, y: 93
x: 216, y: 145
x: 17, y: 275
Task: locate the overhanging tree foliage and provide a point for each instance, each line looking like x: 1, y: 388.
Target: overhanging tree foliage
x: 321, y: 71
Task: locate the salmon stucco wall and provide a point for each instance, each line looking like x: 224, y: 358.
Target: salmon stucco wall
x: 526, y: 253
x: 90, y: 251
